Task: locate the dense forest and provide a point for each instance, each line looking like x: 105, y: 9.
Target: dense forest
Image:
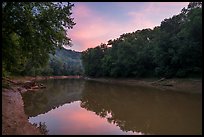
x: 173, y: 49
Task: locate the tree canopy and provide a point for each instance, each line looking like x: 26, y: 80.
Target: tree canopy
x: 32, y: 30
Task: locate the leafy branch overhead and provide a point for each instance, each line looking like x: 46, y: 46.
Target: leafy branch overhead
x: 32, y: 30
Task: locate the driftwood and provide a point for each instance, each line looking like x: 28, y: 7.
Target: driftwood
x: 161, y: 84
x: 33, y: 85
x: 38, y: 87
x: 28, y: 85
x: 156, y: 82
x: 162, y: 79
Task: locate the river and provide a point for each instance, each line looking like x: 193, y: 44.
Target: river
x: 76, y: 106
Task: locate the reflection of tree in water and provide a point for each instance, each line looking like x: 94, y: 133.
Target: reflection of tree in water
x: 57, y: 93
x: 109, y: 99
x: 42, y: 127
x: 143, y: 110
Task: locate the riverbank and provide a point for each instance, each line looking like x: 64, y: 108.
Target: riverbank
x: 190, y: 85
x: 22, y: 79
x: 15, y: 121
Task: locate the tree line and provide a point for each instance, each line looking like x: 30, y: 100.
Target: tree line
x: 173, y: 49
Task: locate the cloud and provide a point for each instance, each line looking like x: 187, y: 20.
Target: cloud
x: 93, y: 28
x: 155, y: 12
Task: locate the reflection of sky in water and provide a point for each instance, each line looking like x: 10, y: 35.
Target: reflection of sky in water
x: 72, y: 119
x: 101, y: 108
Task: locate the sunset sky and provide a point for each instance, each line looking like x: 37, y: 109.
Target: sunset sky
x: 98, y: 22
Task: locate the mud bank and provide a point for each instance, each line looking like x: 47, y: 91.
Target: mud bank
x: 181, y: 85
x: 14, y: 120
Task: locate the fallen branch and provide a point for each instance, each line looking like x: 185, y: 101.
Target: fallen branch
x: 33, y: 85
x: 155, y: 82
x: 3, y: 78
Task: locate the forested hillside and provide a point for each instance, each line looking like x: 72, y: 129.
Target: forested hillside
x: 173, y: 49
x: 62, y: 62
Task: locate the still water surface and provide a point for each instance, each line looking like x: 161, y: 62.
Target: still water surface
x: 73, y: 106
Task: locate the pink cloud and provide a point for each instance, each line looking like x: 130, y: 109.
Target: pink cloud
x: 88, y: 28
x: 92, y: 28
x: 141, y: 21
x: 165, y: 8
x: 155, y: 12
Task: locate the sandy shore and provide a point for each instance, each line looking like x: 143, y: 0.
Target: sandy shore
x: 15, y: 121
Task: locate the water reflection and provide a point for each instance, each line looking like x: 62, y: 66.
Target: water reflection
x: 72, y: 119
x: 57, y: 93
x: 131, y: 109
x: 146, y: 110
